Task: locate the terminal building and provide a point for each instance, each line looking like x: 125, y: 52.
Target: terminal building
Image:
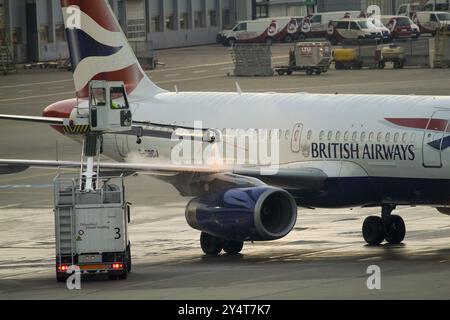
x: 33, y: 30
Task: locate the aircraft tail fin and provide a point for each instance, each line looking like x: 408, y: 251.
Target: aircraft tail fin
x: 99, y: 50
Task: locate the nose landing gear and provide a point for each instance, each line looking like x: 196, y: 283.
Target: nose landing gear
x: 388, y: 227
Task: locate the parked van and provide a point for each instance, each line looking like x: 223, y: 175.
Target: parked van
x: 436, y: 5
x: 316, y: 25
x: 268, y: 31
x: 380, y: 27
x: 431, y: 21
x: 408, y: 9
x: 401, y: 27
x: 352, y: 29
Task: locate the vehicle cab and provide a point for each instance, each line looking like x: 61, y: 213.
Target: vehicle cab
x: 408, y: 10
x: 352, y: 29
x: 380, y: 27
x: 430, y: 22
x: 401, y: 27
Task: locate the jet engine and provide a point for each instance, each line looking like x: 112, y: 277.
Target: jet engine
x: 244, y: 214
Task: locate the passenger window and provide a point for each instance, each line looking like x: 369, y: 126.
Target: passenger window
x: 317, y: 19
x: 342, y: 25
x: 309, y: 136
x: 330, y: 135
x: 405, y: 137
x: 355, y: 136
x: 433, y: 18
x: 371, y: 137
x: 338, y: 136
x: 396, y: 137
x: 379, y: 137
x: 346, y: 135
x: 388, y: 137
x: 363, y: 137
x: 322, y: 135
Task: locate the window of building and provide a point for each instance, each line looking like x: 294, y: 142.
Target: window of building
x: 184, y: 20
x: 156, y: 24
x: 198, y: 19
x: 17, y: 35
x: 136, y: 28
x: 213, y: 18
x: 262, y: 10
x: 226, y: 21
x: 60, y: 33
x: 170, y: 22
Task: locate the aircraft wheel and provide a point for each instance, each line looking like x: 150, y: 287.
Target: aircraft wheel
x: 233, y: 247
x: 211, y: 245
x: 395, y: 229
x: 373, y: 230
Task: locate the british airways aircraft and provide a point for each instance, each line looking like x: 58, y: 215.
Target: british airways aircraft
x: 335, y: 151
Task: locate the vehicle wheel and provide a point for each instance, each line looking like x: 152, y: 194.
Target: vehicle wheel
x: 269, y: 41
x: 381, y: 65
x: 301, y: 37
x: 129, y: 258
x: 211, y: 245
x: 231, y: 42
x: 318, y: 72
x: 339, y: 66
x: 309, y: 72
x: 232, y: 247
x: 289, y: 73
x: 395, y: 229
x: 61, y: 278
x: 280, y: 72
x: 373, y: 230
x: 288, y: 39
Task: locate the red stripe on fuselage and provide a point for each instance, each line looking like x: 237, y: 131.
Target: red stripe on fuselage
x: 421, y: 123
x: 131, y: 76
x: 98, y: 10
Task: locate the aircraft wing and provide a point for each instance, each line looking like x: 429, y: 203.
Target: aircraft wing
x: 43, y: 120
x: 191, y: 180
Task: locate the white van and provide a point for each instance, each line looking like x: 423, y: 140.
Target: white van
x: 430, y: 21
x: 352, y: 29
x: 380, y: 27
x: 268, y: 31
x: 408, y: 9
x: 316, y: 25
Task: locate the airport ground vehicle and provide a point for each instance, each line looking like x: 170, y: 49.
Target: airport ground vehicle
x: 408, y: 9
x: 347, y: 59
x: 310, y: 57
x: 394, y: 54
x: 316, y: 25
x: 270, y: 30
x: 380, y: 27
x: 431, y: 21
x: 401, y: 27
x: 91, y: 211
x: 352, y: 29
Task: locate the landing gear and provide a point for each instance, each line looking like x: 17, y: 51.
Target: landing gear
x: 232, y: 247
x: 387, y: 227
x: 212, y: 245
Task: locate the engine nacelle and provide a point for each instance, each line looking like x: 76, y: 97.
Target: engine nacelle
x: 244, y: 214
x: 444, y: 210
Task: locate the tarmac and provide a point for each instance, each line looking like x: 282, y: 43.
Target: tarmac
x: 324, y: 257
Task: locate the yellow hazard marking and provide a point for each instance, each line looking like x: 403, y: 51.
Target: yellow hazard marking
x: 76, y: 129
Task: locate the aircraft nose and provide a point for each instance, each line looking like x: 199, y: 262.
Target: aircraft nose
x: 61, y: 109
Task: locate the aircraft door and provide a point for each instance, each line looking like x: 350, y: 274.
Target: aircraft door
x: 435, y: 139
x: 296, y: 138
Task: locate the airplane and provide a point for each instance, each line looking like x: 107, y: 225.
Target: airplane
x: 335, y: 150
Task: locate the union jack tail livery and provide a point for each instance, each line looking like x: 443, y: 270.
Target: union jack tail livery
x: 99, y: 49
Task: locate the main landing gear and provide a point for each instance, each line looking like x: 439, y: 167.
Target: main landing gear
x: 388, y: 227
x: 212, y: 245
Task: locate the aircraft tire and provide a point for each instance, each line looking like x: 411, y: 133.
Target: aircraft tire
x: 211, y: 245
x: 395, y: 229
x: 373, y: 230
x: 233, y: 247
